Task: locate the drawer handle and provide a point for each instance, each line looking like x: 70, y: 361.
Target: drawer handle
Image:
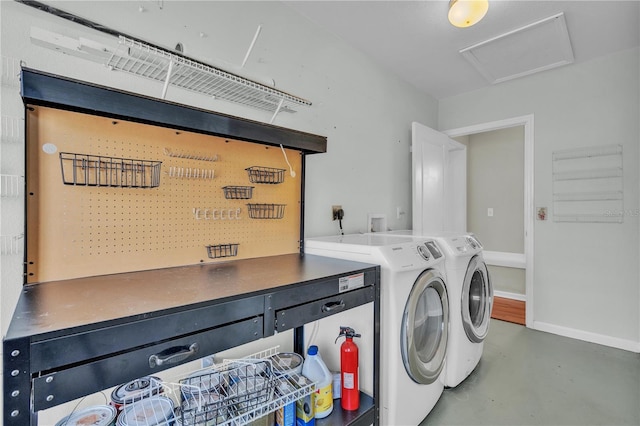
x: 173, y: 355
x: 333, y: 306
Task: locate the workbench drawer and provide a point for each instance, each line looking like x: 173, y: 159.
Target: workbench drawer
x: 301, y: 314
x: 77, y: 381
x: 54, y: 353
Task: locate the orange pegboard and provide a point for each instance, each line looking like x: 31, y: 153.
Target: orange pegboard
x: 85, y: 230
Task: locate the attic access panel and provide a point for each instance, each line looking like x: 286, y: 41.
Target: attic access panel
x: 536, y: 47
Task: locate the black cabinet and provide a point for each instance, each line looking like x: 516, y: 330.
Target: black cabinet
x: 112, y: 329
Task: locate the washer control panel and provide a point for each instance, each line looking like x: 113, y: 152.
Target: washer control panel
x: 424, y: 252
x: 466, y: 244
x: 434, y: 249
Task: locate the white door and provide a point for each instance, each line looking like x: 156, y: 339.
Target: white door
x: 439, y: 170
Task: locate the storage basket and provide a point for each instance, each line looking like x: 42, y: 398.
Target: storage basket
x: 266, y: 211
x: 238, y: 192
x: 222, y: 250
x: 237, y: 392
x: 97, y: 170
x: 269, y: 175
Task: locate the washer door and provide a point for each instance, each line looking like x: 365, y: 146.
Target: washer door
x: 424, y: 329
x: 477, y: 300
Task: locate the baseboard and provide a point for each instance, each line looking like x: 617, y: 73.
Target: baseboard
x: 600, y: 339
x: 509, y: 295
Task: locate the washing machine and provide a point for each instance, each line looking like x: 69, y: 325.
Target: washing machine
x: 470, y: 301
x: 414, y: 318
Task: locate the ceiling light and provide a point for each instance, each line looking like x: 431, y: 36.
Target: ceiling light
x: 465, y: 13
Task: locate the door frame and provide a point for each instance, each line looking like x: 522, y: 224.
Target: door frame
x: 527, y: 122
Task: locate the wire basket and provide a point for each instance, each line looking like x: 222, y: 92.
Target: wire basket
x: 222, y: 250
x: 234, y: 392
x: 265, y: 175
x: 96, y: 170
x: 237, y: 392
x: 266, y: 211
x: 238, y: 192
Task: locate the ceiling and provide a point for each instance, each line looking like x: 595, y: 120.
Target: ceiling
x: 414, y: 40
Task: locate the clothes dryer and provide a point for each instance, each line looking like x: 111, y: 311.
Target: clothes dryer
x: 414, y: 315
x: 470, y: 301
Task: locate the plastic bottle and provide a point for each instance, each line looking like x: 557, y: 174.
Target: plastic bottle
x: 305, y: 414
x: 350, y: 389
x: 315, y: 369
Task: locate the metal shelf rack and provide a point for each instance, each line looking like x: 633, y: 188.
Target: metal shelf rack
x: 588, y: 185
x: 144, y: 60
x: 211, y: 307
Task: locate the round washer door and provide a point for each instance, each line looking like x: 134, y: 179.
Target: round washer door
x: 424, y: 329
x: 477, y: 299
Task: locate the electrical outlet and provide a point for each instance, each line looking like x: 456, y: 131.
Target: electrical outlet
x: 334, y: 212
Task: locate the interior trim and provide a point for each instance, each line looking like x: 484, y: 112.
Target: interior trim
x: 508, y: 260
x: 600, y: 339
x: 509, y: 295
x: 529, y: 210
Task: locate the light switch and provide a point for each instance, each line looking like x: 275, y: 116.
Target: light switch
x: 490, y: 212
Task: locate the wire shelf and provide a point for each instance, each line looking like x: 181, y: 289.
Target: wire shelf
x: 266, y: 211
x: 11, y: 244
x: 11, y: 68
x: 10, y: 185
x: 239, y: 391
x: 12, y: 129
x: 222, y: 250
x: 95, y: 170
x: 160, y: 65
x: 238, y: 192
x: 234, y: 392
x: 267, y: 175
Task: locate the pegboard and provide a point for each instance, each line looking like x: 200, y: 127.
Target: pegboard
x: 91, y: 228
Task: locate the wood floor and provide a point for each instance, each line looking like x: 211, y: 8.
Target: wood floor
x: 508, y: 310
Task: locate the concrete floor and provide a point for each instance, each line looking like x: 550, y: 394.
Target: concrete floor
x: 528, y: 377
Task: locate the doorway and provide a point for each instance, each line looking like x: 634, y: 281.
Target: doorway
x: 510, y: 261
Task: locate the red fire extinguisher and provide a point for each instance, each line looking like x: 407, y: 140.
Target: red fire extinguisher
x: 349, y: 370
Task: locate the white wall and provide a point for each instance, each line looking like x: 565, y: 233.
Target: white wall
x: 495, y: 179
x: 586, y: 277
x: 365, y: 112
